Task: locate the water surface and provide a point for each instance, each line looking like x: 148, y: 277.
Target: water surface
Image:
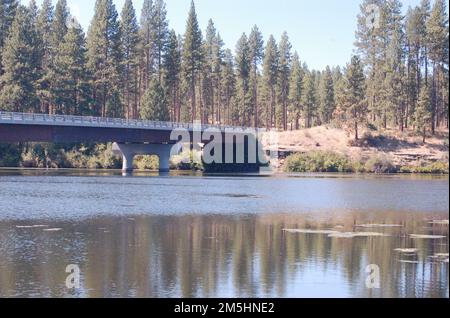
x: 219, y: 236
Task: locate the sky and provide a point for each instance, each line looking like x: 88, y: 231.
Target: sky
x: 321, y: 31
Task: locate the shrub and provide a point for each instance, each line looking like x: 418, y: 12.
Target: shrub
x: 439, y: 167
x: 318, y: 161
x: 185, y: 162
x: 380, y: 164
x: 10, y: 155
x: 146, y: 162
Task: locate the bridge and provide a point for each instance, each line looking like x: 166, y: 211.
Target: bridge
x: 130, y: 137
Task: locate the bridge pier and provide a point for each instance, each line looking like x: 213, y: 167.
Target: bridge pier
x: 128, y: 151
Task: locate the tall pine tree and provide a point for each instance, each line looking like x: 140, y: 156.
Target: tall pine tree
x: 129, y: 32
x: 104, y: 59
x: 21, y: 65
x: 256, y: 47
x: 192, y: 58
x: 270, y: 68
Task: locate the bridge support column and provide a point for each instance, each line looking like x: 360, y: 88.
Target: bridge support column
x: 128, y: 151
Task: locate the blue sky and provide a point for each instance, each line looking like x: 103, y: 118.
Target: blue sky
x: 322, y: 31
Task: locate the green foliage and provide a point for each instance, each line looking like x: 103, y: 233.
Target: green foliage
x: 379, y: 164
x: 318, y: 161
x: 7, y: 13
x: 104, y: 58
x: 172, y: 66
x: 326, y: 96
x: 192, y: 57
x: 154, y: 104
x: 353, y: 95
x: 243, y: 68
x: 284, y: 71
x: 439, y: 167
x: 70, y: 88
x: 186, y: 162
x: 129, y: 32
x: 323, y: 161
x: 146, y: 162
x: 20, y: 65
x: 10, y: 155
x: 37, y: 155
x: 48, y: 66
x: 422, y: 115
x: 270, y: 78
x: 296, y: 91
x: 309, y: 99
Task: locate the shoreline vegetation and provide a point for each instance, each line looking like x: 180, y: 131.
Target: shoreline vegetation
x: 320, y: 149
x: 331, y: 149
x: 319, y: 161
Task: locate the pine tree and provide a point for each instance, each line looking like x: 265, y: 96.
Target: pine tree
x: 8, y: 10
x: 243, y: 114
x: 161, y: 33
x: 284, y: 73
x: 423, y: 113
x: 438, y: 47
x: 208, y: 85
x: 309, y: 99
x: 172, y: 67
x: 425, y: 11
x: 256, y: 47
x: 129, y: 40
x: 147, y: 47
x: 354, y: 101
x: 228, y: 86
x: 44, y: 29
x: 217, y: 62
x: 326, y: 96
x: 59, y: 24
x: 394, y: 84
x: 154, y: 104
x: 369, y: 48
x: 414, y: 30
x: 213, y: 48
x: 21, y: 65
x: 340, y: 96
x: 104, y: 59
x: 192, y: 58
x: 71, y: 88
x: 270, y: 67
x: 296, y: 91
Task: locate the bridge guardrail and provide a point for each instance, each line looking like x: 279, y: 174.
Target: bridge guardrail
x: 99, y: 121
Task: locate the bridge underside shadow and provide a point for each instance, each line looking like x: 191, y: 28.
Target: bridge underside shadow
x: 129, y: 151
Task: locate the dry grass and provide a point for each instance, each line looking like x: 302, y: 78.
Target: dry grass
x: 401, y: 148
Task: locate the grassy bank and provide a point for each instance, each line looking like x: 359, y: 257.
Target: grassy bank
x: 80, y: 156
x: 327, y: 161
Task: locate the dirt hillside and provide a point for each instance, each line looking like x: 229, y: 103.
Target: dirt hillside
x: 401, y: 148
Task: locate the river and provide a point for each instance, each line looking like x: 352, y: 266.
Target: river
x: 184, y: 235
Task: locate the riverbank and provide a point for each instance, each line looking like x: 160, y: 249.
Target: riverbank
x: 329, y: 149
x: 80, y: 156
x: 319, y: 149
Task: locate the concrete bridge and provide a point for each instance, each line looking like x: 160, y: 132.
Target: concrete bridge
x: 130, y: 137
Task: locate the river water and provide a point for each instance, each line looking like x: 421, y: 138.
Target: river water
x: 184, y: 235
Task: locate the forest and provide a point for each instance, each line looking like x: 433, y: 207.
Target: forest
x: 137, y: 67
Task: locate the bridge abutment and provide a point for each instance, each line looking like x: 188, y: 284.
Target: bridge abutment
x: 128, y: 151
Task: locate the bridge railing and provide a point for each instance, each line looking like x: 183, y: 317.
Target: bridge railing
x: 100, y: 121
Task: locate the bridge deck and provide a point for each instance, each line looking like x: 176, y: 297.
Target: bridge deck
x: 97, y: 122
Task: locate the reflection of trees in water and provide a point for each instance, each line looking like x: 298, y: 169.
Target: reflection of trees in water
x: 212, y: 256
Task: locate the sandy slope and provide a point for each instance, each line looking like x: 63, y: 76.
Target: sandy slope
x: 402, y: 148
